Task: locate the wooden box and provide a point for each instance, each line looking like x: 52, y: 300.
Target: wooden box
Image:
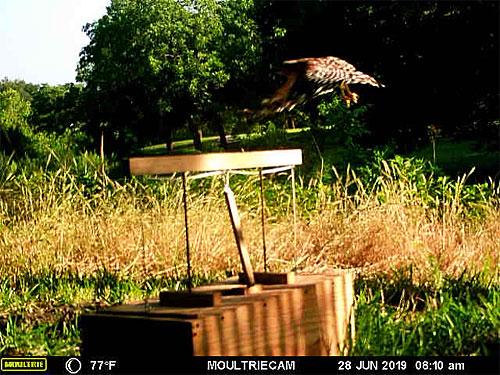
x: 310, y: 315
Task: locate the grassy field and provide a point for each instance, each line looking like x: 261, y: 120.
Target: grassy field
x: 459, y: 157
x: 425, y: 245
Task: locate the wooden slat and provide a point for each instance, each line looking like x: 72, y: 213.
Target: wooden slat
x: 217, y: 161
x: 270, y: 278
x: 226, y: 290
x: 187, y: 299
x: 230, y: 289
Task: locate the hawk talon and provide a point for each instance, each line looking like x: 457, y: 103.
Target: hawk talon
x: 353, y: 97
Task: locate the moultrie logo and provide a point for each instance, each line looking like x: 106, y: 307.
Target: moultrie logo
x: 21, y: 364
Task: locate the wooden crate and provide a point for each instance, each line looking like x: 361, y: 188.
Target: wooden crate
x: 310, y: 316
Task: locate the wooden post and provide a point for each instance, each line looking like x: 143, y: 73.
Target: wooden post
x: 238, y: 234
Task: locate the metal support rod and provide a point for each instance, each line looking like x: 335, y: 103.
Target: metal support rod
x: 294, y: 212
x: 184, y: 197
x: 263, y: 220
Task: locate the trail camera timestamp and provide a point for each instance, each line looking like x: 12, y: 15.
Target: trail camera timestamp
x: 371, y: 365
x: 408, y: 365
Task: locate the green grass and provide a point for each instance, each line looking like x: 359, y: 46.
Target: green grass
x: 211, y: 143
x: 454, y: 158
x: 396, y: 207
x: 459, y: 157
x: 399, y: 318
x: 394, y: 315
x: 185, y: 146
x: 62, y: 337
x: 40, y: 312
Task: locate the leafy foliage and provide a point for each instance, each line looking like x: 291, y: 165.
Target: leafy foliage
x: 26, y: 90
x: 344, y: 123
x: 438, y: 60
x: 151, y: 64
x: 424, y: 182
x: 15, y: 133
x: 58, y: 108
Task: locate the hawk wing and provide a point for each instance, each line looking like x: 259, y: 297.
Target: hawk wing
x: 310, y: 77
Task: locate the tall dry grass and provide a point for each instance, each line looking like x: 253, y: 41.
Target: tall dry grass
x: 138, y: 230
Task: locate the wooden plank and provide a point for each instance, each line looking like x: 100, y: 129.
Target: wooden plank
x: 225, y: 289
x: 230, y: 289
x: 282, y: 322
x: 238, y: 234
x: 344, y: 302
x: 217, y: 161
x: 190, y: 299
x: 270, y: 278
x: 151, y: 309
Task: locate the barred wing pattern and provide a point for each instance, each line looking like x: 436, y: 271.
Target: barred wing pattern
x: 328, y: 72
x: 311, y: 77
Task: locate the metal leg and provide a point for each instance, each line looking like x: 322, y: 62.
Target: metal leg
x: 294, y: 212
x: 184, y: 196
x: 263, y: 220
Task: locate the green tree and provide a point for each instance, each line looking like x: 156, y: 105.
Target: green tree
x: 152, y: 64
x: 240, y: 50
x: 58, y: 108
x: 15, y: 133
x: 344, y: 120
x: 26, y: 90
x: 438, y: 59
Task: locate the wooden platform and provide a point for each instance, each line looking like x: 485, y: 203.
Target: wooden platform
x: 309, y: 315
x: 213, y: 161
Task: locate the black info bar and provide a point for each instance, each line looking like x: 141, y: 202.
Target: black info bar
x: 251, y: 365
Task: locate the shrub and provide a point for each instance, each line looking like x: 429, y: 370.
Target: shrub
x: 15, y: 133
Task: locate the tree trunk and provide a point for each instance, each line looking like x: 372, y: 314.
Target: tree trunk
x: 222, y: 133
x: 197, y: 134
x: 165, y: 131
x: 169, y: 144
x: 168, y: 136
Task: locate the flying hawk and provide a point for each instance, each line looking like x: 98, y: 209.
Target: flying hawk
x: 310, y: 77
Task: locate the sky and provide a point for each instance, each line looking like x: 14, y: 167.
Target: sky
x: 40, y: 40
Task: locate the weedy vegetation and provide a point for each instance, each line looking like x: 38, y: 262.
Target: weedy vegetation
x: 423, y: 237
x: 425, y: 246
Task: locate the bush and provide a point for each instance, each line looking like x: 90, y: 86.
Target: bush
x: 15, y: 133
x: 423, y: 183
x: 345, y: 123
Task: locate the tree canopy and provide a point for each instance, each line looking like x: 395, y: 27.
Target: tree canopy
x: 14, y: 128
x: 438, y: 59
x: 151, y: 64
x: 154, y: 66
